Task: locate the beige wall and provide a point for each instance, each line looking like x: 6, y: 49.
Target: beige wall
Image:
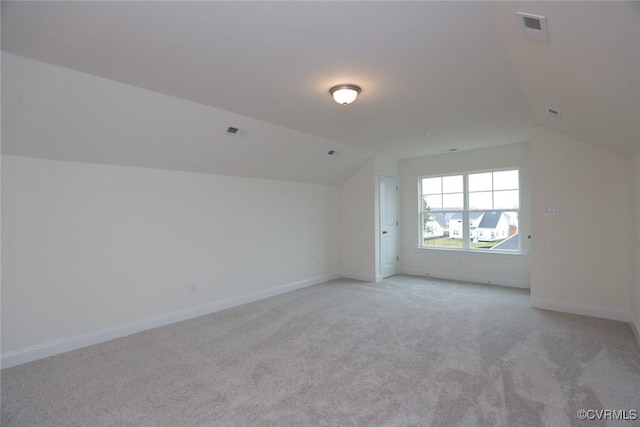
x: 89, y: 248
x: 635, y: 287
x: 581, y: 260
x: 360, y: 219
x: 506, y: 269
x: 357, y: 224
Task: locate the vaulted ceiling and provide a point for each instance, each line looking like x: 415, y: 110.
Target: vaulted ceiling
x: 435, y: 75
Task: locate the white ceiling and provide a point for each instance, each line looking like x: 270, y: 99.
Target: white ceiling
x: 56, y: 113
x: 590, y: 70
x: 461, y: 70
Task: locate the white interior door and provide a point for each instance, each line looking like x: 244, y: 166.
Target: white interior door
x: 388, y: 226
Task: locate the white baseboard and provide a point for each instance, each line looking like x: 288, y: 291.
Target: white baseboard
x: 360, y: 277
x: 635, y: 327
x: 603, y: 313
x: 64, y: 345
x: 467, y: 278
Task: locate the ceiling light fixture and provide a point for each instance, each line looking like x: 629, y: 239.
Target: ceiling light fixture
x: 345, y: 93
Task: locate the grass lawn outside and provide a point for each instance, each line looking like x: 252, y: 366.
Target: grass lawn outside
x: 447, y: 242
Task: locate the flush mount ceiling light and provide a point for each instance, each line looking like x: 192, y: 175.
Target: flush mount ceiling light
x: 345, y: 93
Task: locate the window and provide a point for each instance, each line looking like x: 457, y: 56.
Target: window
x: 475, y: 211
x: 442, y: 207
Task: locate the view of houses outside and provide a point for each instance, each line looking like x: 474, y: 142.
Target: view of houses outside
x: 488, y: 230
x: 493, y: 199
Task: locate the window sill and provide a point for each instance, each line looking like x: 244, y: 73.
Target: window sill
x: 486, y: 252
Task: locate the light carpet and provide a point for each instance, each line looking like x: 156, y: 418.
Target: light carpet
x: 408, y: 351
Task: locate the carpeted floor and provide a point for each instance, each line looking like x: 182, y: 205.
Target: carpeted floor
x: 407, y: 351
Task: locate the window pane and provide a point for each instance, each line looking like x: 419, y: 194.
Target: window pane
x: 480, y: 181
x: 505, y: 180
x: 433, y: 202
x: 437, y: 230
x: 508, y: 199
x: 432, y: 227
x: 453, y: 201
x: 497, y: 231
x: 452, y: 184
x: 481, y: 200
x: 432, y: 185
x: 443, y: 242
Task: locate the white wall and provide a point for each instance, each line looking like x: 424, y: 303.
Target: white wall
x: 581, y: 259
x: 635, y: 285
x: 91, y: 247
x: 357, y: 224
x: 507, y: 269
x: 635, y: 262
x: 0, y: 200
x: 360, y: 219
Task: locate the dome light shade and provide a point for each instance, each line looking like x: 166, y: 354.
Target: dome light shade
x: 345, y: 93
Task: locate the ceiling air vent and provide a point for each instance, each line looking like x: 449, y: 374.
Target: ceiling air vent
x: 534, y: 27
x: 239, y: 132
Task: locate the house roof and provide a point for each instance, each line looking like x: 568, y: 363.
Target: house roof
x: 440, y: 218
x: 266, y: 67
x: 490, y: 220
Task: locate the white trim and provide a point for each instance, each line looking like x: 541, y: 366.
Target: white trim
x: 493, y: 253
x: 64, y: 345
x: 635, y: 327
x: 360, y: 277
x: 382, y: 175
x: 473, y: 278
x: 584, y: 310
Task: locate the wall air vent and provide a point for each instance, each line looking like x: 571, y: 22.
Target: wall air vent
x: 534, y: 27
x: 555, y: 113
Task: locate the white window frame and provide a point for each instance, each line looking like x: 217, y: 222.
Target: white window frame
x: 466, y: 211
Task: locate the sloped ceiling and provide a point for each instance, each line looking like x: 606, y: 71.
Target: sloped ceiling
x: 461, y: 71
x: 590, y: 70
x: 55, y: 113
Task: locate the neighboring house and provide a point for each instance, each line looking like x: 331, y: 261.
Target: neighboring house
x: 455, y: 225
x: 436, y: 226
x: 493, y: 226
x: 484, y: 226
x: 512, y: 219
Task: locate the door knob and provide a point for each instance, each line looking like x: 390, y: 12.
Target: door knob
x: 384, y: 232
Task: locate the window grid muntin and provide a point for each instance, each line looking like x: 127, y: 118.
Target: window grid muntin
x: 467, y: 210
